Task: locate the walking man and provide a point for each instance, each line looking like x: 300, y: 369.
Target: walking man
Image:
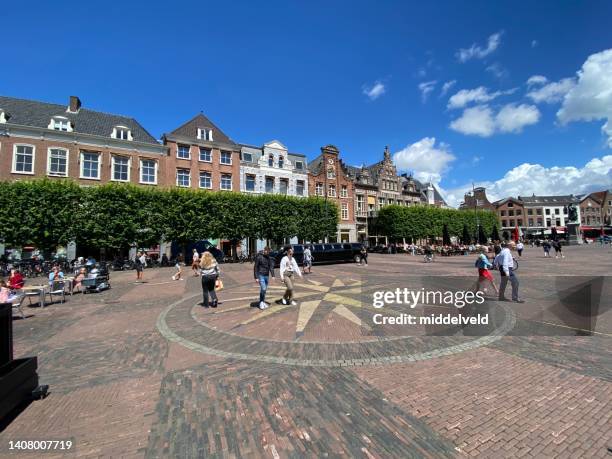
x: 519, y: 248
x: 307, y: 259
x: 262, y: 270
x: 288, y: 267
x: 505, y: 263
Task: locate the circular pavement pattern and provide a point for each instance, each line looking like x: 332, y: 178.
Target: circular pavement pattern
x: 238, y: 331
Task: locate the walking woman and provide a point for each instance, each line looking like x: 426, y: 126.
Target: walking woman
x: 288, y: 267
x: 138, y: 266
x: 209, y: 270
x: 484, y: 275
x: 195, y: 262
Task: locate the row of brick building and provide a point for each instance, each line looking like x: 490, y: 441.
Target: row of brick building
x: 39, y: 139
x: 536, y: 215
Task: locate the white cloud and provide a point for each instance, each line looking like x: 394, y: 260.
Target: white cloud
x: 482, y: 121
x: 591, y: 98
x: 551, y: 92
x: 425, y: 159
x: 513, y: 118
x: 478, y: 95
x: 527, y: 179
x: 537, y: 80
x: 497, y: 70
x: 477, y: 52
x: 476, y: 159
x: 475, y: 121
x: 374, y: 91
x: 534, y: 43
x: 426, y: 88
x: 447, y: 86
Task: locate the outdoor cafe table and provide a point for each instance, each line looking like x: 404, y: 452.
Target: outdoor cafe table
x: 41, y: 289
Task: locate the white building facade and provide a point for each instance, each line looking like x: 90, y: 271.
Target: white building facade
x: 271, y: 169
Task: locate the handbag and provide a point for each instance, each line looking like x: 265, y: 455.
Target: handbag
x: 218, y: 285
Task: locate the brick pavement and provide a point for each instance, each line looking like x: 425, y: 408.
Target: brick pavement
x: 121, y: 387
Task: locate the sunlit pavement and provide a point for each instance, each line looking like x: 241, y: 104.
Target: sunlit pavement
x: 143, y: 370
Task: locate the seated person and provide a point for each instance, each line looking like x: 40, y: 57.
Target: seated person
x: 5, y: 293
x: 94, y: 272
x: 78, y: 280
x: 55, y: 275
x: 16, y: 280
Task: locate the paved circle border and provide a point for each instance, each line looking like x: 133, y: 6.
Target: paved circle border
x: 497, y: 334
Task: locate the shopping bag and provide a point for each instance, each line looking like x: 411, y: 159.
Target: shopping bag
x: 218, y: 285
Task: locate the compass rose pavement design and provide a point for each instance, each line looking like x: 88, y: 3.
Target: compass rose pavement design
x: 330, y: 326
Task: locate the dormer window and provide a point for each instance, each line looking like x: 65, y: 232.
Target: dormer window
x: 281, y: 162
x: 205, y: 134
x: 122, y: 133
x: 299, y: 165
x: 3, y: 116
x: 271, y: 160
x: 60, y: 123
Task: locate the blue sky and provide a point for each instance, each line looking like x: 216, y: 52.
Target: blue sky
x: 352, y: 74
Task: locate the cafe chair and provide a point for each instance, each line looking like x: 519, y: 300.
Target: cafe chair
x: 17, y: 301
x: 57, y: 288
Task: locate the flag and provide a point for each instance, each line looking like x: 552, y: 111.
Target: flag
x: 515, y: 234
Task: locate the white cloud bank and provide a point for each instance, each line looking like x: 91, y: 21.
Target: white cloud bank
x: 591, y: 97
x: 551, y: 92
x: 484, y: 122
x: 536, y: 80
x: 426, y: 160
x: 374, y: 91
x: 527, y: 179
x: 426, y: 88
x: 478, y: 52
x: 447, y: 87
x: 477, y: 95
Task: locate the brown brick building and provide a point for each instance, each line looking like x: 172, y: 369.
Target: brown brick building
x: 477, y: 199
x: 200, y: 155
x: 39, y: 139
x: 330, y: 178
x: 511, y: 213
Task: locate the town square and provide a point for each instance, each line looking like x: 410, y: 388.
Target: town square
x: 142, y: 370
x: 306, y: 229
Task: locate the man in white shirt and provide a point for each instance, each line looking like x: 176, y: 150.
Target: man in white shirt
x: 288, y: 268
x: 505, y: 264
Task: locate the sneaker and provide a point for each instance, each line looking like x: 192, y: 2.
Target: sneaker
x: 293, y: 303
x: 262, y: 305
x: 518, y: 301
x: 284, y: 301
x: 501, y: 298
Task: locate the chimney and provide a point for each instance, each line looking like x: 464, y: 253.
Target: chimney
x: 75, y: 104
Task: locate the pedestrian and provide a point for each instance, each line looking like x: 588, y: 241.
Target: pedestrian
x: 209, y: 270
x: 307, y: 260
x: 195, y: 262
x: 558, y: 249
x: 263, y: 268
x: 139, y: 266
x: 179, y: 270
x: 519, y: 248
x: 505, y: 264
x: 546, y: 247
x: 483, y: 264
x: 363, y: 252
x: 288, y: 267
